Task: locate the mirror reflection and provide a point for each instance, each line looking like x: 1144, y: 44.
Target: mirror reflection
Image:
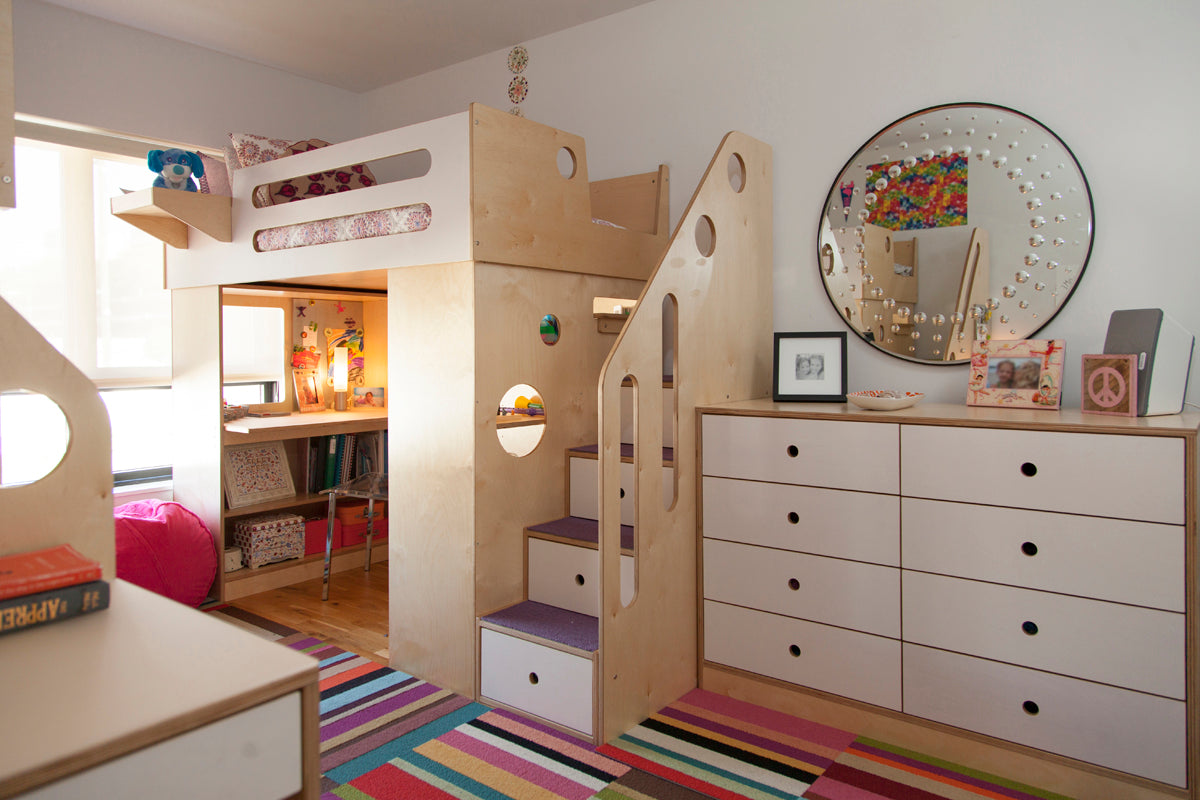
x: 954, y: 224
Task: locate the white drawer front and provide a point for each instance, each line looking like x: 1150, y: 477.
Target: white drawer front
x: 854, y: 525
x: 838, y: 455
x: 568, y: 576
x: 584, y: 499
x: 1131, y: 477
x: 842, y: 662
x: 1119, y: 560
x: 541, y: 680
x: 1090, y: 639
x: 1128, y: 731
x: 253, y: 754
x: 849, y: 594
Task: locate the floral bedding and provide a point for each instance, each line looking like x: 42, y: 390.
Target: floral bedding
x: 384, y: 222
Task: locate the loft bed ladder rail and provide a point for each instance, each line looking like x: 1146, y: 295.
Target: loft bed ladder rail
x: 723, y: 330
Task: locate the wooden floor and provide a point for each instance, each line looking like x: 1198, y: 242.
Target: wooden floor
x: 355, y: 617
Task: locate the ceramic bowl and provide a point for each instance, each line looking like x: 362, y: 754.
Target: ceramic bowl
x: 884, y: 399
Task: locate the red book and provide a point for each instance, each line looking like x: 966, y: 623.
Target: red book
x: 40, y: 570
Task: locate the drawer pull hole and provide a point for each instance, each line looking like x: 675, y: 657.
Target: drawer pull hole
x: 622, y: 494
x: 1030, y: 628
x: 533, y: 678
x: 793, y: 451
x: 1030, y: 708
x: 794, y: 650
x: 793, y: 584
x: 1029, y: 549
x: 579, y: 581
x: 793, y: 517
x: 1029, y: 469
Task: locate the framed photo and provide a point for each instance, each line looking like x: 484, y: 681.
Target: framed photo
x: 308, y: 390
x: 369, y: 397
x: 810, y: 367
x: 1110, y: 385
x: 1026, y: 373
x: 256, y: 473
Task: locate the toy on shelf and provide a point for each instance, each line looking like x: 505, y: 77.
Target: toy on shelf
x: 175, y: 168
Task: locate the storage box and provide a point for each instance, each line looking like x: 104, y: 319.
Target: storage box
x: 357, y: 533
x: 352, y: 512
x: 315, y: 531
x: 268, y: 538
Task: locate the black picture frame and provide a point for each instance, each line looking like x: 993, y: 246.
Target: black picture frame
x: 814, y: 367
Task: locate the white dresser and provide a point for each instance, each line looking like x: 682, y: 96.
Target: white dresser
x: 1024, y: 575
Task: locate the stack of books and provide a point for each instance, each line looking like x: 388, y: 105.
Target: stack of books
x: 43, y: 586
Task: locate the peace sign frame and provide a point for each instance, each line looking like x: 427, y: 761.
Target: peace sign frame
x: 1109, y: 385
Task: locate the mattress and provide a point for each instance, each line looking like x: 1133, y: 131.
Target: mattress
x: 383, y: 222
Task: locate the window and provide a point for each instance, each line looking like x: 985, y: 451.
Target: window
x: 93, y: 286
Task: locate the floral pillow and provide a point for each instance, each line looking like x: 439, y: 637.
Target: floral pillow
x: 253, y: 149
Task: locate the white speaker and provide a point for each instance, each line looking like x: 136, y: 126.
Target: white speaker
x: 1164, y: 356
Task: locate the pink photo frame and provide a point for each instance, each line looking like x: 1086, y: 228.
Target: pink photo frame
x: 1026, y: 373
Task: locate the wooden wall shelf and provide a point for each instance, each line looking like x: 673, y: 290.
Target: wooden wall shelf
x: 168, y: 214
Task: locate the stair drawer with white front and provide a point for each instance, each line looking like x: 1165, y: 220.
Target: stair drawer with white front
x: 1090, y: 639
x: 849, y: 594
x: 568, y: 576
x: 583, y: 500
x: 805, y: 452
x: 822, y: 657
x: 555, y: 684
x: 853, y: 525
x: 1140, y: 563
x: 1106, y: 475
x: 1138, y: 733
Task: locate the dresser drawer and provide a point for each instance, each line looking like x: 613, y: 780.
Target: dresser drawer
x: 1127, y: 562
x: 834, y: 660
x: 1091, y: 639
x: 583, y: 495
x: 550, y: 683
x: 838, y: 455
x: 1128, y: 731
x: 568, y: 576
x: 849, y: 594
x: 1131, y: 477
x: 854, y: 525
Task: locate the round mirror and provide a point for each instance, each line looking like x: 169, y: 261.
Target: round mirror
x: 954, y: 224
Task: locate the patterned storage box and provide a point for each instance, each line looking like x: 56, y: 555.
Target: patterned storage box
x: 269, y: 538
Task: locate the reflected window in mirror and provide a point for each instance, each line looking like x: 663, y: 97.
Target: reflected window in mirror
x: 956, y: 223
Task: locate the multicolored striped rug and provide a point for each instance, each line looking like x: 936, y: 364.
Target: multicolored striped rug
x: 386, y: 735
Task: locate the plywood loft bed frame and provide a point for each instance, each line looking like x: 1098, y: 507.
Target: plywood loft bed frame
x: 512, y: 238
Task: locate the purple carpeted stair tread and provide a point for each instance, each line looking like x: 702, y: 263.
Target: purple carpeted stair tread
x: 626, y: 451
x: 580, y: 529
x: 569, y: 628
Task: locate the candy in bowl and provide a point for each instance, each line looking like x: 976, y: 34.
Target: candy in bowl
x: 884, y: 399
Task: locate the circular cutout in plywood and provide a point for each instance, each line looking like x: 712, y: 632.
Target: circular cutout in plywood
x: 737, y: 172
x: 706, y: 236
x: 550, y: 329
x: 520, y: 420
x: 34, y: 435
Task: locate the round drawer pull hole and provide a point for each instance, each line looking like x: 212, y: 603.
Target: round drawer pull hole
x: 793, y: 584
x: 1030, y: 628
x: 793, y: 517
x: 533, y: 678
x: 1029, y: 469
x: 1030, y: 707
x: 579, y: 581
x: 794, y: 650
x: 793, y: 451
x: 622, y: 494
x: 1029, y: 549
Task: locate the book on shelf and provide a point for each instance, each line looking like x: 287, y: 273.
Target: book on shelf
x: 48, y: 568
x: 53, y: 605
x: 330, y: 463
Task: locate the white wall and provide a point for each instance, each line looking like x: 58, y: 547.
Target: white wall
x: 815, y: 79
x: 80, y: 69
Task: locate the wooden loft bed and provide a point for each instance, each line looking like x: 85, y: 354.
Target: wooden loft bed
x: 496, y: 192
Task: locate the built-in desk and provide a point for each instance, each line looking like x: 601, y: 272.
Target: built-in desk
x: 151, y: 698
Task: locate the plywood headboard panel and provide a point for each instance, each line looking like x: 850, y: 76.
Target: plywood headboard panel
x: 637, y: 202
x: 72, y: 504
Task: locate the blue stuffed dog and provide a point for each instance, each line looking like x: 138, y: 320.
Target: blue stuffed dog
x: 175, y: 168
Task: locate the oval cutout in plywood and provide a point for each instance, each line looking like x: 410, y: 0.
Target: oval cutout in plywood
x: 34, y: 436
x: 520, y: 420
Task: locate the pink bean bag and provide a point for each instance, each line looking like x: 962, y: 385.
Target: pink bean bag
x: 163, y: 547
